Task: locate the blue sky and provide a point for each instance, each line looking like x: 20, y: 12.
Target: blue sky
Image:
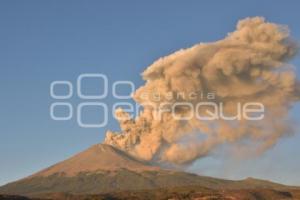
x: 43, y: 41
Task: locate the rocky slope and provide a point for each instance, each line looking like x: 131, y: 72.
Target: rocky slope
x: 105, y: 169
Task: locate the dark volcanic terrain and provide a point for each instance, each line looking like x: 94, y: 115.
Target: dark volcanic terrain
x: 103, y: 172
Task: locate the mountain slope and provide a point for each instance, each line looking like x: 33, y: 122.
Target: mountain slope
x: 100, y: 157
x: 102, y: 168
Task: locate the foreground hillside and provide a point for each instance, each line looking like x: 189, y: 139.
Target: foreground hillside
x: 178, y: 193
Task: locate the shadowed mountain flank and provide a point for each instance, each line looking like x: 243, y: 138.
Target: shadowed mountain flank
x: 105, y: 169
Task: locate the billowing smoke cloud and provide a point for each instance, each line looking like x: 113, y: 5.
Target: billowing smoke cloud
x: 249, y: 65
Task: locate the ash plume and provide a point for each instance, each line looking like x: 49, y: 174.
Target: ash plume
x: 249, y: 65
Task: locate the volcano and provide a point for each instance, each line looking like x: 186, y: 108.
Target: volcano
x: 100, y: 157
x: 105, y: 169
